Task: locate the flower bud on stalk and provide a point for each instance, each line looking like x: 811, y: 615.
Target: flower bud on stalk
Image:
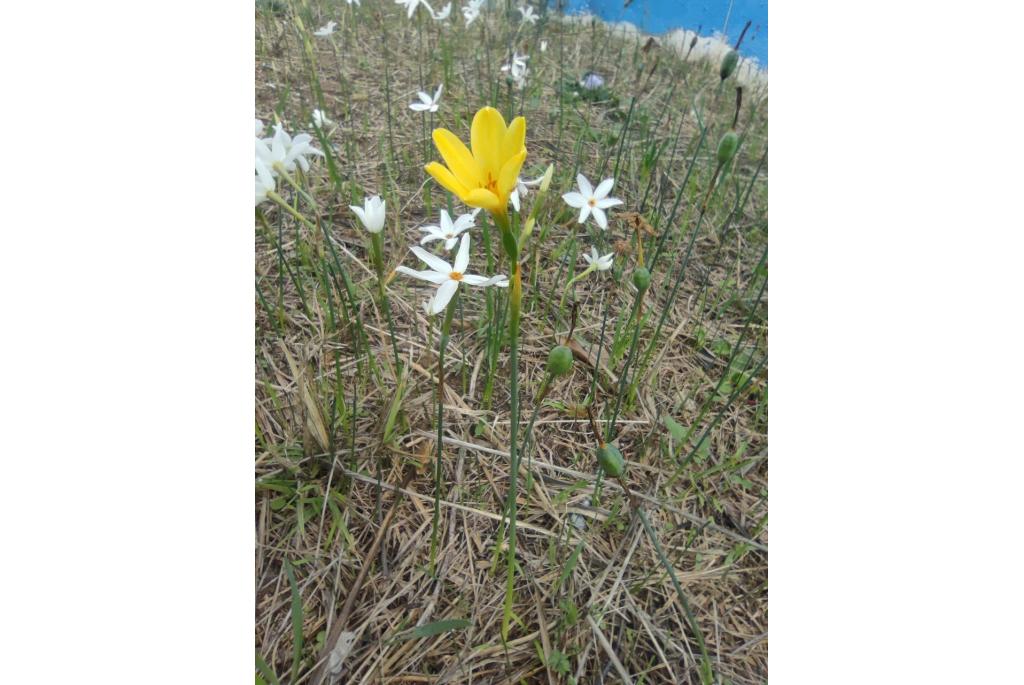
x: 729, y: 63
x: 641, y: 278
x: 560, y: 360
x: 559, y: 364
x: 610, y: 459
x: 537, y: 203
x: 727, y: 147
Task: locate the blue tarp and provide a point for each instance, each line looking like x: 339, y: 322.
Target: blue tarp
x: 659, y: 16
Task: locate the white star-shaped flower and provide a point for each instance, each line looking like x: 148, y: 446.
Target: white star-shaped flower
x: 601, y: 263
x: 516, y: 68
x: 411, y: 5
x: 285, y: 150
x: 447, y: 277
x: 326, y: 30
x: 427, y: 103
x: 449, y: 230
x: 371, y: 213
x: 517, y: 65
x: 444, y: 13
x: 591, y: 200
x: 471, y: 11
x: 264, y: 181
x: 522, y: 188
x: 320, y: 119
x: 528, y: 15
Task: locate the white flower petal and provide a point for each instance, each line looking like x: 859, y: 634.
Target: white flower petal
x: 586, y: 189
x: 574, y: 199
x: 443, y: 296
x: 428, y: 276
x: 604, y: 188
x: 462, y: 258
x: 484, y: 281
x: 584, y: 212
x: 435, y: 263
x: 446, y: 222
x: 464, y: 222
x: 264, y: 174
x: 607, y: 202
x: 600, y: 218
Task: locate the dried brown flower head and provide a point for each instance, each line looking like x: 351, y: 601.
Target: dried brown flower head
x: 637, y: 223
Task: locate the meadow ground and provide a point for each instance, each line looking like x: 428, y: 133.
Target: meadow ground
x: 657, y: 577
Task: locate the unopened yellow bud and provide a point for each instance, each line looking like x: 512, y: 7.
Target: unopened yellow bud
x: 546, y: 182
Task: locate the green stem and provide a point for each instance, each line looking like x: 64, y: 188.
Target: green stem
x: 291, y: 210
x: 541, y: 393
x: 442, y: 346
x: 387, y: 85
x: 377, y: 245
x: 625, y: 369
x: 705, y: 667
x: 565, y: 291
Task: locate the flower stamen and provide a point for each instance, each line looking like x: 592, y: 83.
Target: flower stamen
x: 455, y: 276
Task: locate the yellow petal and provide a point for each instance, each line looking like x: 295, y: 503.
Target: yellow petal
x: 515, y: 138
x: 510, y: 172
x: 457, y: 157
x: 446, y: 179
x: 486, y: 136
x: 483, y: 198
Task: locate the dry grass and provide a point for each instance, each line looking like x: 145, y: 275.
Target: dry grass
x: 617, y: 617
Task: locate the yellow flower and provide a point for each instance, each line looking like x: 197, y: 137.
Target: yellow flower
x: 486, y: 177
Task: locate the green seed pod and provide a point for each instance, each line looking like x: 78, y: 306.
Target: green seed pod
x: 727, y: 147
x: 610, y: 459
x: 641, y: 278
x: 729, y: 63
x: 560, y: 360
